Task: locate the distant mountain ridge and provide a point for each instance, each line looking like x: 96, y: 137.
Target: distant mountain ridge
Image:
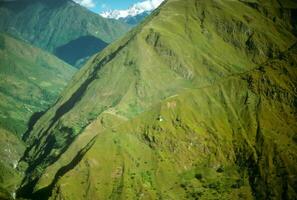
x: 51, y: 24
x: 135, y: 20
x: 134, y: 10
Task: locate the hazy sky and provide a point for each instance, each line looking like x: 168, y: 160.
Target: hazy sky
x: 104, y: 5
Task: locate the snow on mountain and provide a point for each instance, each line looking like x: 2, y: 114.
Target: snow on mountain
x: 134, y: 10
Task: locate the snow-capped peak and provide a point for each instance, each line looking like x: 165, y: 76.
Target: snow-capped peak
x: 134, y: 10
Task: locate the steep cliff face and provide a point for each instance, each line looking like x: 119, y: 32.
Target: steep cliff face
x: 190, y: 104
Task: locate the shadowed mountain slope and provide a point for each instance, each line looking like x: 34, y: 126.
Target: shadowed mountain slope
x: 79, y: 49
x: 192, y: 113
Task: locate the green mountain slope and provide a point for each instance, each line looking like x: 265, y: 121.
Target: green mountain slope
x: 213, y: 142
x: 31, y: 81
x: 52, y: 24
x: 186, y: 114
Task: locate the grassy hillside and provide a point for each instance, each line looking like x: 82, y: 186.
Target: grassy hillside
x: 208, y: 143
x: 192, y: 113
x: 52, y: 24
x: 30, y: 81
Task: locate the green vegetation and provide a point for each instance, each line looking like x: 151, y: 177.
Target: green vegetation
x: 30, y: 81
x: 197, y: 102
x: 54, y: 24
x: 203, y: 148
x: 11, y: 150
